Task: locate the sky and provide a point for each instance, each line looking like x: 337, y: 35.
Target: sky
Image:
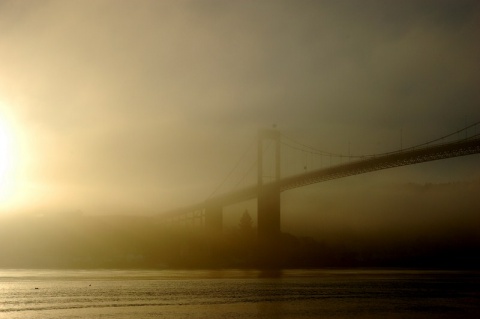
x: 144, y: 106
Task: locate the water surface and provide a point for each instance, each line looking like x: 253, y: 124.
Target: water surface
x: 238, y: 294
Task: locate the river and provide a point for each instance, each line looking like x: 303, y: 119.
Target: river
x: 217, y: 294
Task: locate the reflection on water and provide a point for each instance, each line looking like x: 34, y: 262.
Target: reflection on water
x: 270, y: 273
x: 238, y: 294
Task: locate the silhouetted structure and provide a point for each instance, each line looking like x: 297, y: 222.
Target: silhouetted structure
x: 268, y: 203
x: 268, y: 193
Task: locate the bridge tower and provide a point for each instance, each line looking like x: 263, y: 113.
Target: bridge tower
x: 268, y: 202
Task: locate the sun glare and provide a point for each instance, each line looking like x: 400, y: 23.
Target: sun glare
x: 8, y: 160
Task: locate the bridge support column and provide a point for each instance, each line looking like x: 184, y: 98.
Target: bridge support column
x: 214, y: 219
x: 268, y: 206
x: 213, y: 230
x: 269, y: 226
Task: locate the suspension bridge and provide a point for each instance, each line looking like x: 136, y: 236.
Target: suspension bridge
x: 268, y: 188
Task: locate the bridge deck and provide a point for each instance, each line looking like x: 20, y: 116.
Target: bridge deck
x: 365, y: 165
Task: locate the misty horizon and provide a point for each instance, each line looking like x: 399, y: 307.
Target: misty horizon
x: 139, y: 108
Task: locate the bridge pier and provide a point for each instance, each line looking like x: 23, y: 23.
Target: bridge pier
x: 214, y: 219
x: 268, y: 220
x: 268, y: 206
x: 213, y: 229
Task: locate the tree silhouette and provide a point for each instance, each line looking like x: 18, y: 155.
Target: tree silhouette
x: 246, y: 223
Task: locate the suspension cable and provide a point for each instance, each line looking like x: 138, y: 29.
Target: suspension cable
x: 312, y: 150
x: 295, y: 144
x: 232, y: 170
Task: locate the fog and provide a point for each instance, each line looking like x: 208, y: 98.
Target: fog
x: 146, y: 105
x: 410, y: 225
x: 404, y: 210
x: 133, y: 108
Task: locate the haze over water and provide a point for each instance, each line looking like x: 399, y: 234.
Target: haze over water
x: 115, y: 112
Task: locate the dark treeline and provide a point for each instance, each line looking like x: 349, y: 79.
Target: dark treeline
x: 145, y: 242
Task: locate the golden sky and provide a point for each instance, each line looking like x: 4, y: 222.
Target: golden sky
x: 140, y: 106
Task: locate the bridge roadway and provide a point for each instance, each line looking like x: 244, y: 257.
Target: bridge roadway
x: 360, y: 166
